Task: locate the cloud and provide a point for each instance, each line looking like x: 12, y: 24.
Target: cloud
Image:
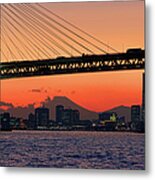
x: 36, y: 90
x: 9, y: 105
x: 20, y: 111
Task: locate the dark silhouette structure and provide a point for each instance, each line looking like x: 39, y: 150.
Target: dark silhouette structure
x: 135, y: 113
x: 57, y: 36
x: 5, y: 122
x: 59, y: 114
x: 143, y: 98
x: 137, y: 123
x: 67, y: 117
x: 87, y: 63
x: 31, y: 123
x: 42, y: 117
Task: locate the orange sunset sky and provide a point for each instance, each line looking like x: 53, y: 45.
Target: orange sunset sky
x: 119, y: 24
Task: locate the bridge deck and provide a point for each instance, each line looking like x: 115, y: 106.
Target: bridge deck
x: 66, y: 65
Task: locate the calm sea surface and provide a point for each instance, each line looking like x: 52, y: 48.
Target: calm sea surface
x: 101, y: 150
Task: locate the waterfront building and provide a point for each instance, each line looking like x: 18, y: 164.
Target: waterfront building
x: 137, y: 124
x: 143, y: 98
x: 31, y: 123
x: 67, y: 117
x: 42, y: 117
x: 5, y: 121
x: 59, y: 113
x: 135, y: 113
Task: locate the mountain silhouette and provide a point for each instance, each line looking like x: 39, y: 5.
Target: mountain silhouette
x: 67, y: 103
x: 122, y: 111
x: 51, y: 104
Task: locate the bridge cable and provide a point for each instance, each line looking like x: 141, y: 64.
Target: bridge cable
x: 53, y: 39
x: 14, y: 44
x: 29, y: 23
x: 61, y: 32
x: 2, y: 28
x: 4, y: 41
x: 25, y: 15
x: 38, y: 37
x: 48, y: 29
x: 74, y: 26
x: 69, y: 30
x: 14, y: 34
x: 3, y: 54
x: 25, y: 33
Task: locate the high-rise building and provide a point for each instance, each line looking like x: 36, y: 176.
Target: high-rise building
x: 66, y: 116
x: 42, y: 117
x: 143, y: 99
x: 76, y: 116
x: 5, y: 121
x: 31, y: 123
x: 59, y: 113
x: 136, y: 123
x: 135, y: 113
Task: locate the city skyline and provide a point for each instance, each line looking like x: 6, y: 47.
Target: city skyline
x: 70, y: 119
x: 51, y: 104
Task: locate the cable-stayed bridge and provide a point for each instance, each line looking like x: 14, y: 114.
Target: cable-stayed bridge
x: 35, y: 41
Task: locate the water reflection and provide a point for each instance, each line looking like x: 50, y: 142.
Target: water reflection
x: 101, y: 150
